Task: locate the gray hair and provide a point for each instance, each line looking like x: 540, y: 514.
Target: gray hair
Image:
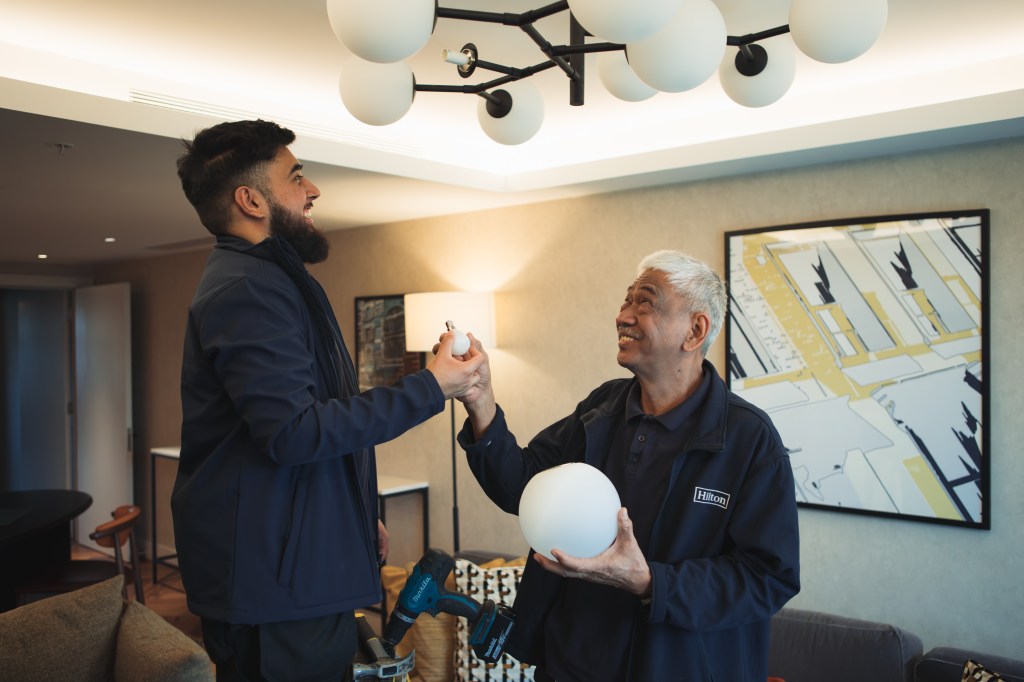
x: 692, y: 279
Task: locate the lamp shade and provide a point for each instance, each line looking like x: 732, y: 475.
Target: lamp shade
x: 426, y: 314
x: 572, y: 507
x: 522, y: 122
x: 623, y: 22
x: 834, y: 31
x: 382, y: 31
x: 620, y: 79
x: 685, y: 52
x: 376, y: 94
x: 769, y: 85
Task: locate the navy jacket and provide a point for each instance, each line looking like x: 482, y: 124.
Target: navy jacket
x: 724, y: 551
x: 275, y: 501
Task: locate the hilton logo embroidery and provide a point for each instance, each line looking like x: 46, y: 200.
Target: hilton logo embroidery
x: 708, y: 496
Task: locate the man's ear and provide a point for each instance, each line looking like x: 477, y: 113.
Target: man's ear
x: 251, y: 202
x: 700, y: 325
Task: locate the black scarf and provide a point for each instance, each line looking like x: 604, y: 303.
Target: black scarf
x: 332, y: 356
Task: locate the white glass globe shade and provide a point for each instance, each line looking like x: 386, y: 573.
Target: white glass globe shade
x: 623, y: 21
x: 766, y: 87
x: 376, y: 94
x: 522, y: 122
x: 685, y: 52
x: 572, y: 508
x: 834, y: 31
x: 620, y: 79
x: 382, y: 31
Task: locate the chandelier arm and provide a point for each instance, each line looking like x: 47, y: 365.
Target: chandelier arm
x: 577, y: 37
x: 501, y: 68
x: 563, y: 50
x: 482, y: 87
x: 506, y: 18
x: 545, y: 47
x: 738, y: 41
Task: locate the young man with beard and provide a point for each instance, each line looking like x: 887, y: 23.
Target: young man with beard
x: 707, y: 546
x: 275, y: 502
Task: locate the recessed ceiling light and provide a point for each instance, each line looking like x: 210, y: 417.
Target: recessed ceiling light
x: 41, y: 256
x: 110, y: 240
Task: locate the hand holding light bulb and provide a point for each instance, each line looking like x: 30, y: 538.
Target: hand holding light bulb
x: 460, y: 345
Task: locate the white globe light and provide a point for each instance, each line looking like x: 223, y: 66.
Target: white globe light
x: 834, y: 31
x: 572, y: 508
x: 382, y: 31
x: 522, y: 122
x: 620, y: 79
x: 766, y: 87
x: 376, y: 94
x: 621, y: 21
x: 685, y: 52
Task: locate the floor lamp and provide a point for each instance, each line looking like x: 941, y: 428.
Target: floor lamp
x: 425, y: 317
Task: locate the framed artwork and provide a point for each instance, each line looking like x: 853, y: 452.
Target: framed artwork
x: 381, y: 358
x: 864, y: 340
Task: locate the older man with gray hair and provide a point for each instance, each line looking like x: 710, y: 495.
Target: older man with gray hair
x: 707, y: 547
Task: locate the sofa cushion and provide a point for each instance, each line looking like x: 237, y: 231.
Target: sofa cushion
x: 497, y: 580
x: 809, y: 646
x: 946, y: 664
x: 66, y: 637
x: 149, y: 649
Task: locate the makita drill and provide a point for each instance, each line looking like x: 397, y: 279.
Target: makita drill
x: 424, y: 592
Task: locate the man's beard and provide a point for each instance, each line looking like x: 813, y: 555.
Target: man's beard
x: 309, y: 242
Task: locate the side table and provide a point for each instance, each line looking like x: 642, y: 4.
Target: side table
x: 172, y: 453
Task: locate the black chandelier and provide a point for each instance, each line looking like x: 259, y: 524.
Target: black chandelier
x: 645, y: 46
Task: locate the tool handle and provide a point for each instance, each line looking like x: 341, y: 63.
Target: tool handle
x: 368, y: 639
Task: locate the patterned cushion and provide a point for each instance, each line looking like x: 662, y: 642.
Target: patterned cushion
x: 976, y: 672
x: 498, y: 581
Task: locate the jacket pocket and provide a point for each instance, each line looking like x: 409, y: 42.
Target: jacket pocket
x: 291, y: 543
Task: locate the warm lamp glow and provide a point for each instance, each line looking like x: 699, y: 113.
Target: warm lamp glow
x: 425, y: 315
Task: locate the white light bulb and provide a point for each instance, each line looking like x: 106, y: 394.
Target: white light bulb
x: 623, y: 22
x: 685, y: 52
x: 834, y: 31
x: 621, y: 80
x: 376, y: 94
x: 460, y: 344
x: 522, y: 122
x: 766, y: 87
x: 382, y: 31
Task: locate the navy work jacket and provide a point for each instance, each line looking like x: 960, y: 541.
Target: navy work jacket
x: 274, y: 505
x: 724, y: 551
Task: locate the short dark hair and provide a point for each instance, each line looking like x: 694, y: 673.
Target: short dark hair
x: 224, y: 157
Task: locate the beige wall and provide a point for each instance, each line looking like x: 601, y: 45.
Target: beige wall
x: 560, y: 270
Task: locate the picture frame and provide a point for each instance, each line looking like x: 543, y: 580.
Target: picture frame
x: 864, y: 340
x: 381, y: 358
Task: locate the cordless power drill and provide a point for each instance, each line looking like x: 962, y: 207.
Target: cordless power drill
x: 424, y: 592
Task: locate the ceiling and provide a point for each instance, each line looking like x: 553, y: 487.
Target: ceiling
x: 94, y: 98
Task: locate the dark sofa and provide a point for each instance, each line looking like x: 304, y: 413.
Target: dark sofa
x: 810, y: 646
